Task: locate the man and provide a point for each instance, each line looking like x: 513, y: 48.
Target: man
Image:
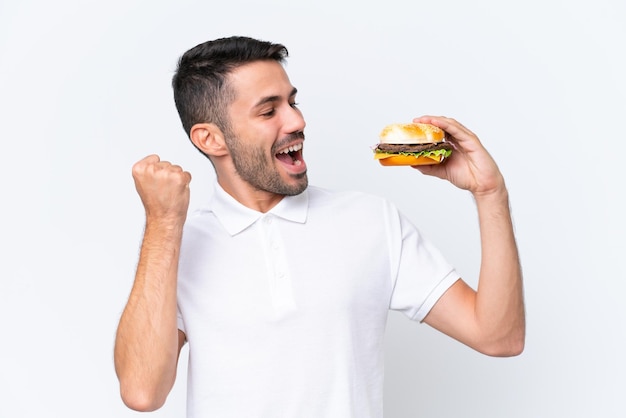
x: 282, y: 289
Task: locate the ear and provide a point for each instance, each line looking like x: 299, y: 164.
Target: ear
x: 209, y: 139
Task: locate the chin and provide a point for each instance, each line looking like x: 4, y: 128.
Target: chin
x: 292, y: 188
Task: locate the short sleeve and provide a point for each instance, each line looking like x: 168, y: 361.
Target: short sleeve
x: 421, y: 274
x: 181, y: 323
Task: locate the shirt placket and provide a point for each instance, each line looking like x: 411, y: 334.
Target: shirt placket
x: 279, y: 277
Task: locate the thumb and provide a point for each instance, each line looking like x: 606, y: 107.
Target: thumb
x: 434, y: 170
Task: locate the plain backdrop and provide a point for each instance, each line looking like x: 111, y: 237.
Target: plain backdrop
x: 85, y: 92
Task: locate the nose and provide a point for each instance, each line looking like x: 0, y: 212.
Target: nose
x: 294, y: 121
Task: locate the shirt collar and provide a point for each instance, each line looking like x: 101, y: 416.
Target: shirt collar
x: 236, y: 217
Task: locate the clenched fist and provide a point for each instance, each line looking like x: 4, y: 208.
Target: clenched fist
x: 163, y: 188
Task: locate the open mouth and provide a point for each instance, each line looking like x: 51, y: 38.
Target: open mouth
x: 291, y: 156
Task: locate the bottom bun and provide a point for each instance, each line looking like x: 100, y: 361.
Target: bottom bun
x: 396, y: 160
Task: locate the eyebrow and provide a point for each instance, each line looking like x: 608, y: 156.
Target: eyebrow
x: 269, y: 99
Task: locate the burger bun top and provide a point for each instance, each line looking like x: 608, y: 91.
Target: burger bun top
x: 411, y: 133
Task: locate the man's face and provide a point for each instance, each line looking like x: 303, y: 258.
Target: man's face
x: 266, y: 129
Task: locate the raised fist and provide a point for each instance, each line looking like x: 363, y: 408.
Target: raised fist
x: 163, y: 188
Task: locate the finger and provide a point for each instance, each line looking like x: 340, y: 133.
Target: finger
x: 452, y: 127
x: 174, y: 171
x: 175, y: 168
x: 148, y: 161
x: 187, y: 178
x: 442, y: 122
x: 141, y: 165
x: 165, y: 168
x: 435, y: 170
x: 152, y: 158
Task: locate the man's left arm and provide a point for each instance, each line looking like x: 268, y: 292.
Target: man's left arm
x: 490, y: 319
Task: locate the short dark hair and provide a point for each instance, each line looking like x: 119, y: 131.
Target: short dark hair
x: 201, y: 90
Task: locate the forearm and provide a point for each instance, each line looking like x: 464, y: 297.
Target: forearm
x: 146, y: 349
x: 499, y: 307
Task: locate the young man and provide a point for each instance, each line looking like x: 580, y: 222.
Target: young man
x: 282, y: 289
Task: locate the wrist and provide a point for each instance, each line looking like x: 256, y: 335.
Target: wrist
x: 165, y: 224
x: 497, y: 196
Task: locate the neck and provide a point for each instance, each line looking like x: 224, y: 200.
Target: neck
x: 259, y: 200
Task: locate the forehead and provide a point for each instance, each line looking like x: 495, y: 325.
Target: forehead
x: 260, y: 79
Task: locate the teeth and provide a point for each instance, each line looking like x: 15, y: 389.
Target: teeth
x: 292, y: 148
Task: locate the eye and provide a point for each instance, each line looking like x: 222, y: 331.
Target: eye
x: 269, y: 113
x: 294, y: 105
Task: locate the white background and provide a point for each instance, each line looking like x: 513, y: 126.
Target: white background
x: 85, y: 92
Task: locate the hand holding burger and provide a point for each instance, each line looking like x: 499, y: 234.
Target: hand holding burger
x: 426, y: 145
x: 471, y: 167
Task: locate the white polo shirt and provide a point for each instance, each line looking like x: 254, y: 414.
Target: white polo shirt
x: 285, y: 312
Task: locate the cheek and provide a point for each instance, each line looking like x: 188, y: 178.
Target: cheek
x: 257, y: 135
x: 263, y: 138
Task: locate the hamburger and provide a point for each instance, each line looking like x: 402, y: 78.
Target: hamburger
x: 412, y: 144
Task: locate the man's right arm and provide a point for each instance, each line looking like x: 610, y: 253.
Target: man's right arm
x: 148, y: 341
